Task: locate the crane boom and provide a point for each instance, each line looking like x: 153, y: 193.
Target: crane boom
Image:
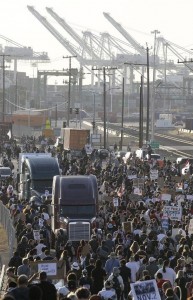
x: 126, y: 35
x: 72, y: 33
x: 71, y: 48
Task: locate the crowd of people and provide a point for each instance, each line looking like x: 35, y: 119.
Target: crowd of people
x: 133, y: 239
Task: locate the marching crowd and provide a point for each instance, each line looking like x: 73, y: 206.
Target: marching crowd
x: 133, y: 242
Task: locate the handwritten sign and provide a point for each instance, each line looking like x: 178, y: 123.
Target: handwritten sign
x: 49, y: 268
x: 174, y: 213
x: 54, y: 269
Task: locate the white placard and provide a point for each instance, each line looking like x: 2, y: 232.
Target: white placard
x: 36, y: 234
x: 115, y: 202
x: 145, y: 290
x: 137, y: 191
x: 174, y: 213
x: 166, y: 197
x: 49, y: 268
x: 132, y: 176
x: 190, y: 227
x: 154, y: 174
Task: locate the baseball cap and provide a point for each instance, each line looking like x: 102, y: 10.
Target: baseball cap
x: 151, y: 259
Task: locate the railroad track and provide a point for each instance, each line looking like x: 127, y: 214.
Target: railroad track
x: 166, y: 140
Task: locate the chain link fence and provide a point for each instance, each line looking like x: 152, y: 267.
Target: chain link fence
x: 7, y: 223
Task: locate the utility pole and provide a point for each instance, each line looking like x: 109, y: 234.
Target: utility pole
x: 147, y: 118
x: 141, y: 115
x: 155, y: 32
x: 104, y: 102
x: 122, y: 111
x: 56, y: 115
x: 3, y: 67
x: 69, y: 88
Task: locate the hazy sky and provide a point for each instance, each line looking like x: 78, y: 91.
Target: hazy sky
x: 173, y: 18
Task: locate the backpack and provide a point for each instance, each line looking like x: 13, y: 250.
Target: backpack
x: 116, y: 283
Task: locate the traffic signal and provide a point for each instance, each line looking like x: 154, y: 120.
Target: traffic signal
x: 70, y: 110
x: 76, y: 111
x: 93, y: 124
x: 64, y: 124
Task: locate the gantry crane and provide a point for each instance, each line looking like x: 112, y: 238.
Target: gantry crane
x: 73, y: 34
x: 71, y: 48
x: 42, y: 56
x: 126, y: 35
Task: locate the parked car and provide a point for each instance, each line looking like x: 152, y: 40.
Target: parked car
x: 102, y: 153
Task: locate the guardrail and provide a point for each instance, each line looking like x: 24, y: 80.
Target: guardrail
x: 7, y: 223
x: 2, y: 277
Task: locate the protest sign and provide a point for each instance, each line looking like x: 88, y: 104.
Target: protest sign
x: 115, y: 202
x: 175, y: 231
x: 153, y: 174
x: 190, y: 227
x: 127, y: 227
x: 138, y: 182
x: 132, y: 176
x: 36, y: 234
x: 189, y: 197
x: 137, y: 191
x: 166, y: 197
x: 54, y: 269
x: 174, y: 213
x: 165, y: 223
x: 145, y: 290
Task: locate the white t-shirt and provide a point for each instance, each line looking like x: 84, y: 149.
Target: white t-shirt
x: 39, y: 248
x: 108, y: 294
x: 134, y: 267
x: 170, y: 274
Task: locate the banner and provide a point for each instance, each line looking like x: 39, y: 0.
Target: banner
x: 145, y: 290
x: 174, y: 213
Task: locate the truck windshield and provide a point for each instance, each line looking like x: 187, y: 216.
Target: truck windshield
x: 42, y: 185
x: 77, y: 211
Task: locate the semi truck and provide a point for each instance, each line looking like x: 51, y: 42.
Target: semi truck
x: 74, y: 206
x: 35, y: 176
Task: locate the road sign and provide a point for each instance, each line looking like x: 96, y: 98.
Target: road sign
x: 154, y: 145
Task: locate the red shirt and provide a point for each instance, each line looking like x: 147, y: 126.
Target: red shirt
x: 160, y: 283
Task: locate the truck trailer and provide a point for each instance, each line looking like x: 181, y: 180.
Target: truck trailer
x: 75, y: 140
x: 36, y: 172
